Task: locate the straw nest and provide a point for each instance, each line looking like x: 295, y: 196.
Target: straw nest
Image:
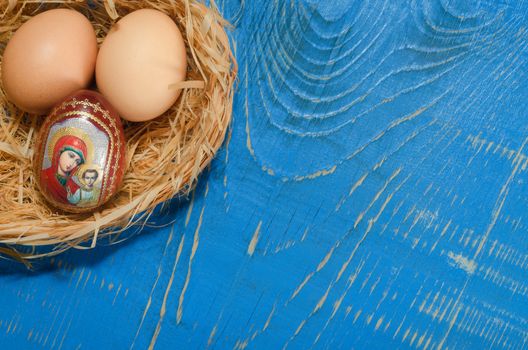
x: 165, y: 155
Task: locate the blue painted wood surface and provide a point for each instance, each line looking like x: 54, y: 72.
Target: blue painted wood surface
x: 372, y: 194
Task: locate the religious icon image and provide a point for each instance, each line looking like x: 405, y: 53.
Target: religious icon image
x: 70, y: 147
x: 68, y: 153
x: 80, y: 153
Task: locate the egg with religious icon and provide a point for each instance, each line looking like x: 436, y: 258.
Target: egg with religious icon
x: 79, y: 159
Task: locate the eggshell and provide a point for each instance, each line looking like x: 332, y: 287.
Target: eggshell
x: 79, y: 158
x: 49, y: 57
x: 140, y: 57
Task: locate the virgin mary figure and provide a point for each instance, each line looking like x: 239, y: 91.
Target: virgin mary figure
x: 68, y: 153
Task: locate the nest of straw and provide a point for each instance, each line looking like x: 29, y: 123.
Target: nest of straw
x: 165, y: 155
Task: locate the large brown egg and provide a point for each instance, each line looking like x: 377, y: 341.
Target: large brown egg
x: 49, y: 57
x: 79, y: 158
x: 142, y: 55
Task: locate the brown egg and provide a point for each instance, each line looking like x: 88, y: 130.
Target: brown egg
x: 140, y: 57
x: 50, y: 56
x: 80, y: 154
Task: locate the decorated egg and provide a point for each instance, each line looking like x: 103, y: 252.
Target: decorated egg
x: 79, y: 158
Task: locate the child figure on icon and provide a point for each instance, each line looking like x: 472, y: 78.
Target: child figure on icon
x: 88, y: 193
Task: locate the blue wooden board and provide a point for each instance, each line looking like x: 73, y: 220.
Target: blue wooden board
x: 372, y: 195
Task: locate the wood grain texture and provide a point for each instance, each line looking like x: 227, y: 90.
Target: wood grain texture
x: 371, y: 194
